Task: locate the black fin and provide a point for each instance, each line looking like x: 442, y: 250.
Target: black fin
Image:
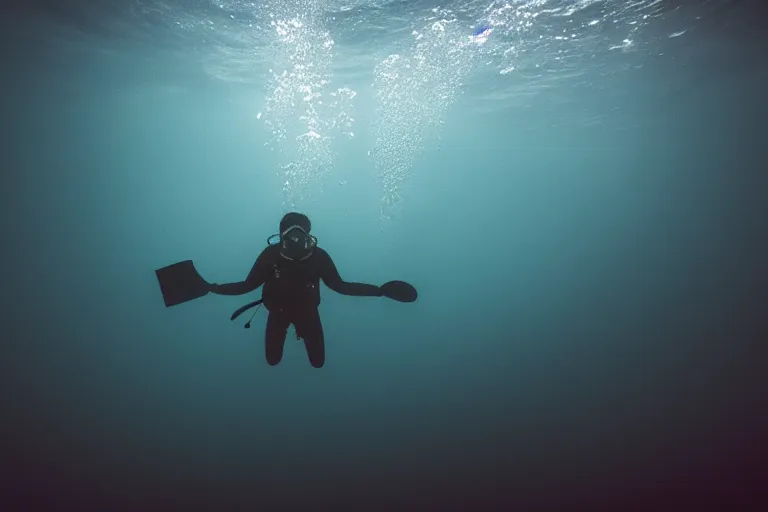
x: 399, y: 291
x: 181, y: 283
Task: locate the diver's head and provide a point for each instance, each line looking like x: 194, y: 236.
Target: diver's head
x: 295, y: 241
x: 295, y: 219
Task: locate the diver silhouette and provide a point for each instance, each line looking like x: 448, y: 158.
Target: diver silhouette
x: 290, y: 269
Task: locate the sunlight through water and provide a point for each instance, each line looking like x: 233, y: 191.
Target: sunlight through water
x: 418, y: 68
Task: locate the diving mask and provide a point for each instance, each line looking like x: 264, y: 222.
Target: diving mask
x: 295, y: 243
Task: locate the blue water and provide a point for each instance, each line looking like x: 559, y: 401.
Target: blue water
x: 580, y: 199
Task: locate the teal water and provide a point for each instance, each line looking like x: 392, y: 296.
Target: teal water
x: 580, y: 201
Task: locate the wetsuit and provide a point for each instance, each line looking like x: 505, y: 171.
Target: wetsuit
x: 292, y: 295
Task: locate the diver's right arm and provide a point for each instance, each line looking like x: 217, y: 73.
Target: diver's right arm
x: 255, y: 278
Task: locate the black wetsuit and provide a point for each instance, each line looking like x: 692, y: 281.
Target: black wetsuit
x: 292, y: 294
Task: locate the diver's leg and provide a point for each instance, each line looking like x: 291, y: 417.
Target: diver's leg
x: 311, y: 329
x: 274, y: 339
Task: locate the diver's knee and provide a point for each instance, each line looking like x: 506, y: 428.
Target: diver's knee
x: 317, y: 363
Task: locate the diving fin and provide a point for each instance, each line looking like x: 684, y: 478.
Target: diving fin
x: 181, y: 283
x: 399, y: 291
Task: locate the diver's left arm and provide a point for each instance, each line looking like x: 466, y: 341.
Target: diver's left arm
x: 255, y: 278
x: 333, y: 280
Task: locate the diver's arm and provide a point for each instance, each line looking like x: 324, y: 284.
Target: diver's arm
x: 255, y: 278
x: 333, y: 280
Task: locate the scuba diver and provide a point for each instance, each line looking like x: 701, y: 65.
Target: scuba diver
x: 290, y: 268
